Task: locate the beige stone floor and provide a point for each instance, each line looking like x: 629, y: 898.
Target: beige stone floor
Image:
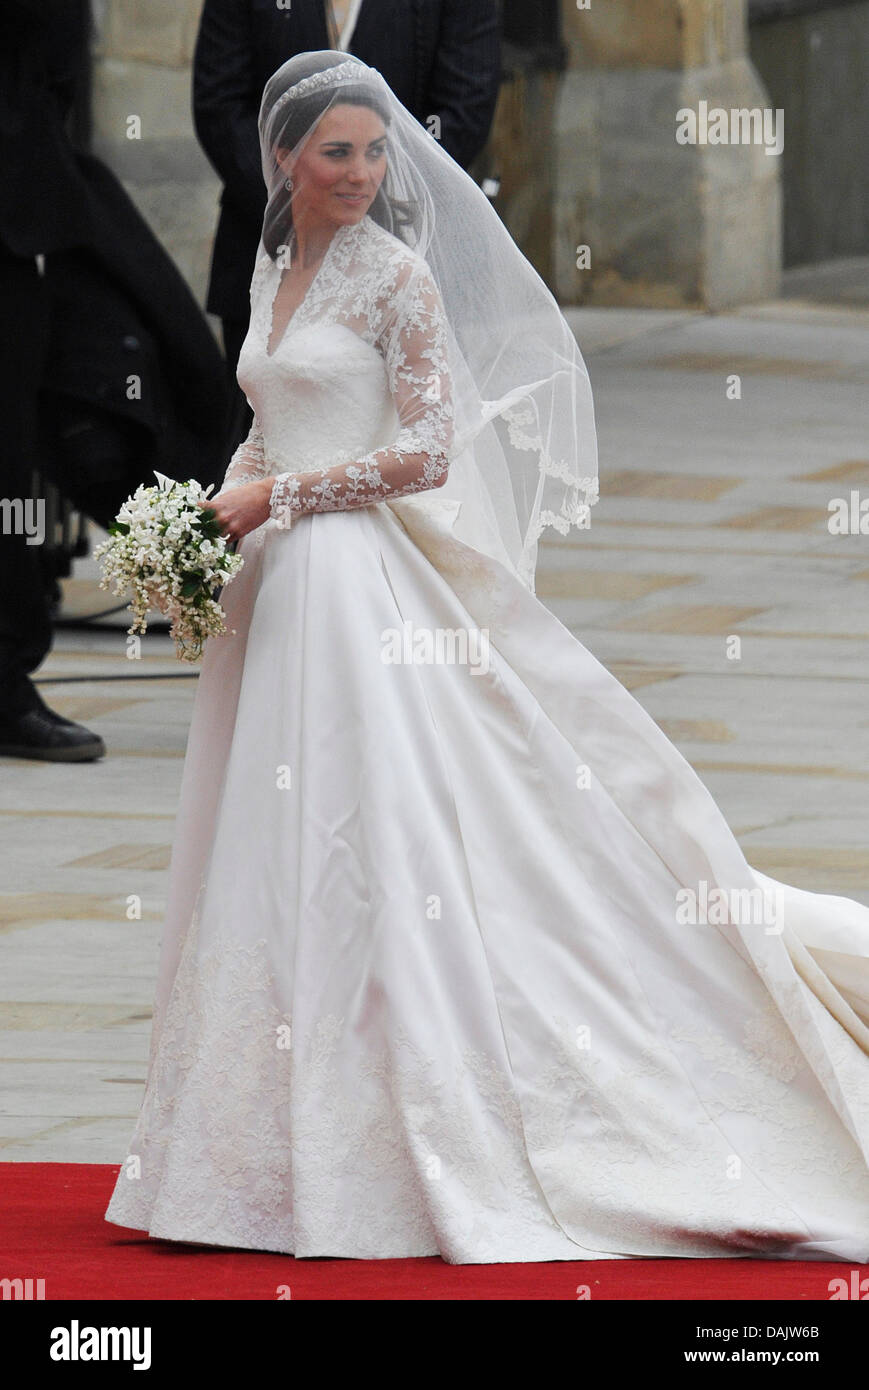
x: 712, y: 524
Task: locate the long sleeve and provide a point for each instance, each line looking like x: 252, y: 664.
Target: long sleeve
x: 248, y: 462
x: 414, y: 347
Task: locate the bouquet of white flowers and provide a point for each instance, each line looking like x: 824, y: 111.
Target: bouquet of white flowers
x: 167, y: 547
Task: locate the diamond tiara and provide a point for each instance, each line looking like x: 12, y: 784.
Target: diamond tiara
x: 326, y: 78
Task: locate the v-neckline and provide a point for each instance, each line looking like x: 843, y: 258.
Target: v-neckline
x: 302, y: 302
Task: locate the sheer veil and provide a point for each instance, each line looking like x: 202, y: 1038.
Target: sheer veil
x: 524, y: 455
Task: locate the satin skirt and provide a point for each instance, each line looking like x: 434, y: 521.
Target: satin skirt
x: 430, y: 980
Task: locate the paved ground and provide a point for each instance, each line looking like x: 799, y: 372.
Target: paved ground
x: 712, y: 523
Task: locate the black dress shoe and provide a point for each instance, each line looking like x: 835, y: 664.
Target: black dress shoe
x: 37, y: 732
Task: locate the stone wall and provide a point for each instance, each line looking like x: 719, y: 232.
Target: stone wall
x: 584, y: 156
x: 815, y: 65
x: 142, y: 56
x: 666, y: 224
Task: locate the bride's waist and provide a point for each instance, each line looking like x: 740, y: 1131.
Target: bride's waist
x: 289, y: 449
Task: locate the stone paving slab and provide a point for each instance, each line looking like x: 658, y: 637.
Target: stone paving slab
x: 712, y: 523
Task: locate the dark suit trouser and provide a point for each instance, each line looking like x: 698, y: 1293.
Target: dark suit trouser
x: 90, y: 455
x: 25, y: 621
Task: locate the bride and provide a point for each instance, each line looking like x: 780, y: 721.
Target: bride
x: 460, y: 956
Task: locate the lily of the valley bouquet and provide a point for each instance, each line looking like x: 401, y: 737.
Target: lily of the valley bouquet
x: 166, y: 546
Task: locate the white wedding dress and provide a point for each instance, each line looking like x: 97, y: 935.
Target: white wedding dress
x: 423, y: 986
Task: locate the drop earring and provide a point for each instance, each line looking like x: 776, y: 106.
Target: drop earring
x: 288, y: 184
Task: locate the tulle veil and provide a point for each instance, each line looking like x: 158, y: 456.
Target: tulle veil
x: 525, y: 455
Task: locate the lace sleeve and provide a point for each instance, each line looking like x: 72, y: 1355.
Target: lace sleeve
x: 248, y: 462
x: 414, y: 347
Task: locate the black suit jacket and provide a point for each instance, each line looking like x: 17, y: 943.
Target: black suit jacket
x: 43, y: 201
x: 119, y: 305
x: 440, y: 57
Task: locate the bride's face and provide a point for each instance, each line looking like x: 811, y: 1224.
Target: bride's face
x: 340, y: 168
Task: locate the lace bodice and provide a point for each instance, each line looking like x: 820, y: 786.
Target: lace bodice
x: 354, y: 404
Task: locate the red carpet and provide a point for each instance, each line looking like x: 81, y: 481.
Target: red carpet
x: 52, y: 1227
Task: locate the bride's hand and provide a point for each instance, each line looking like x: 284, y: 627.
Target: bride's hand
x: 241, y: 509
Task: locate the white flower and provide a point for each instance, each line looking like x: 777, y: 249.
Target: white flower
x: 159, y: 549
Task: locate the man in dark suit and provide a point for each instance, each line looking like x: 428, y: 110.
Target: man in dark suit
x: 440, y: 57
x: 90, y: 298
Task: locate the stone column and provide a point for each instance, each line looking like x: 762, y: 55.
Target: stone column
x: 143, y: 124
x: 667, y: 224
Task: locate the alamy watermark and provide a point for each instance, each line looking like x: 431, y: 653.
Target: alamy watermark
x: 709, y: 905
x: 22, y: 1288
x: 438, y: 646
x: 742, y: 125
x: 77, y: 1343
x: 848, y: 516
x: 23, y: 516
